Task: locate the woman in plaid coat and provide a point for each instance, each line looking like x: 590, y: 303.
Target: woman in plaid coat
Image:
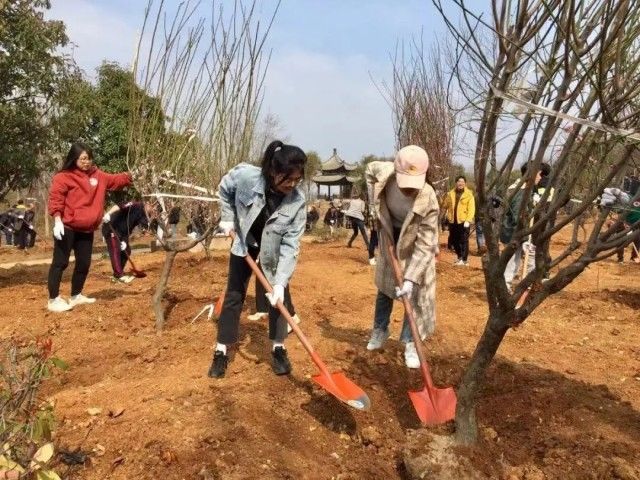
x: 406, y: 208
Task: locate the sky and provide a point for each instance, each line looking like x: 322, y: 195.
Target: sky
x: 326, y: 58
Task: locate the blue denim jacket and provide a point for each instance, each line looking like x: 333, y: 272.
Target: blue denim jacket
x: 242, y: 198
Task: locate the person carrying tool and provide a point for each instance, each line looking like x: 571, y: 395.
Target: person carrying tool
x: 510, y: 221
x: 265, y: 208
x: 461, y: 211
x: 76, y: 203
x: 406, y: 209
x: 117, y: 225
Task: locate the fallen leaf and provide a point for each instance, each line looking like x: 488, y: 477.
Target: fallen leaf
x: 42, y: 456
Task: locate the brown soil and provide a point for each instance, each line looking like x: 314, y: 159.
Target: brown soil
x: 562, y: 398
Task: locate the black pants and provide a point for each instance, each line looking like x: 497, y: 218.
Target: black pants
x: 237, y: 283
x: 358, y: 224
x: 22, y: 237
x: 460, y: 239
x: 82, y: 244
x: 32, y: 238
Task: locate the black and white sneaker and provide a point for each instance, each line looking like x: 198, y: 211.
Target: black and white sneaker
x: 280, y: 362
x: 218, y: 365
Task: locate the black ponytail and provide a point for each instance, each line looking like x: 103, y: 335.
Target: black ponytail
x: 281, y: 159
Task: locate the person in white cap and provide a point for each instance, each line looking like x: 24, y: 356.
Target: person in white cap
x: 406, y: 208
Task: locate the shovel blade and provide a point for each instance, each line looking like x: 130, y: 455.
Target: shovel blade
x: 138, y: 274
x: 434, y: 405
x: 217, y: 309
x: 338, y: 385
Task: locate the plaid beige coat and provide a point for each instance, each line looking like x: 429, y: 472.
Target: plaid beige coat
x: 416, y: 249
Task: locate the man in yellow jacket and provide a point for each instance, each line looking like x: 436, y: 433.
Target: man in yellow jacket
x: 461, y: 210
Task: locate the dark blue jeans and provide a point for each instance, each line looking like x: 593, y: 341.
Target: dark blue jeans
x: 382, y: 315
x: 358, y: 224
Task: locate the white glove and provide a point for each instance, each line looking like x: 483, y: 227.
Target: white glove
x: 123, y: 246
x: 466, y: 224
x: 58, y: 229
x: 226, y: 228
x: 278, y: 294
x: 30, y: 227
x: 106, y: 218
x: 407, y: 288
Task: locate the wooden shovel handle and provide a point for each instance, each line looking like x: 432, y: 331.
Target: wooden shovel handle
x: 397, y: 270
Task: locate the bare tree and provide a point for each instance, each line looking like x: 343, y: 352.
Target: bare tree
x: 560, y: 86
x: 205, y: 75
x: 418, y: 97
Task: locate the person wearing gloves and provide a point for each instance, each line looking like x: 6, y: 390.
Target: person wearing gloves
x: 265, y: 208
x: 117, y: 225
x: 406, y: 209
x: 461, y: 211
x: 76, y: 203
x: 262, y: 306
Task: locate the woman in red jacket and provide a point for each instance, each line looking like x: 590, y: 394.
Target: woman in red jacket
x: 76, y: 203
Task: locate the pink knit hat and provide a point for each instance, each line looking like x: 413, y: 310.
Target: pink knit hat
x: 411, y: 165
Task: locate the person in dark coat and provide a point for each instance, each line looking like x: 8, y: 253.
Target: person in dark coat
x: 6, y: 227
x: 118, y: 223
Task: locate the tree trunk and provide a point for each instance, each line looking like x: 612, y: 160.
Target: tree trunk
x: 161, y: 287
x: 472, y: 380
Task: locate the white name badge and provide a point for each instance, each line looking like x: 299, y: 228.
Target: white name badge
x: 93, y: 181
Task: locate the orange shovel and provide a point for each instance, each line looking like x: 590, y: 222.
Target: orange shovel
x: 433, y: 405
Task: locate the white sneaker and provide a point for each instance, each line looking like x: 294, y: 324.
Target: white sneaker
x: 80, y: 299
x: 257, y: 316
x: 411, y: 358
x: 123, y: 279
x: 297, y: 319
x: 378, y: 337
x: 58, y: 304
x: 372, y: 261
x: 458, y: 262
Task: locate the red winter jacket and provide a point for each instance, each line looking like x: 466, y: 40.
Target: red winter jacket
x: 78, y: 197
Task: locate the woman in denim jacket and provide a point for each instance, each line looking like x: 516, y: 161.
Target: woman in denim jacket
x: 266, y: 210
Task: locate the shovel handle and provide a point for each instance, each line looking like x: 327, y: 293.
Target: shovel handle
x: 133, y: 267
x: 285, y: 313
x: 408, y: 309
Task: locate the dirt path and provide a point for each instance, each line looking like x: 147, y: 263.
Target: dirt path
x: 563, y: 397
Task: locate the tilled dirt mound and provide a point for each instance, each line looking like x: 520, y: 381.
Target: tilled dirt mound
x: 561, y: 400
